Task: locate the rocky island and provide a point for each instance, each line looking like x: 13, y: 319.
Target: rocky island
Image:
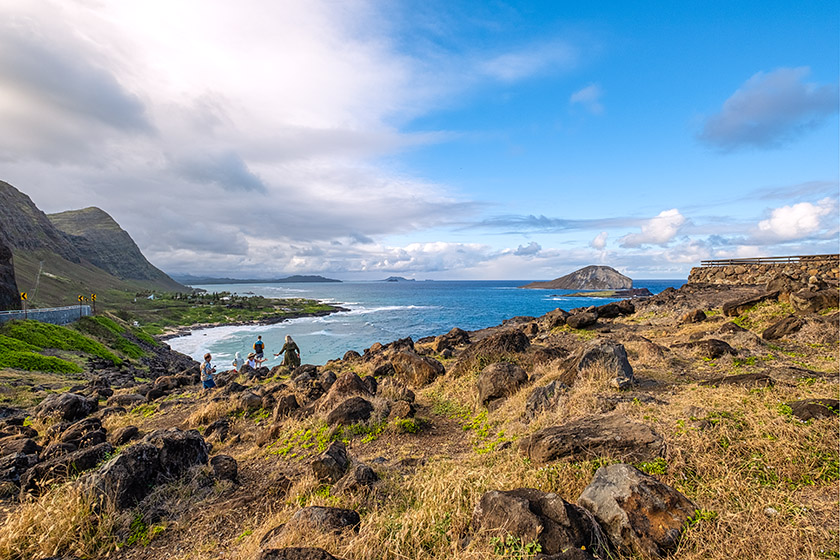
x: 697, y: 423
x: 591, y: 277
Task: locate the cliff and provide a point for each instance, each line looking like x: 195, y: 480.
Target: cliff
x: 588, y: 278
x: 9, y: 297
x: 100, y: 240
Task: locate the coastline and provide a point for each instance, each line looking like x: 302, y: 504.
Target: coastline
x: 176, y: 332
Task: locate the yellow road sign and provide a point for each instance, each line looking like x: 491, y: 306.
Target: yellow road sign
x: 92, y: 297
x: 23, y: 296
x: 81, y: 299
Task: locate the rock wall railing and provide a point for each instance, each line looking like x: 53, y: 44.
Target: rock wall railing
x: 54, y: 315
x: 825, y: 268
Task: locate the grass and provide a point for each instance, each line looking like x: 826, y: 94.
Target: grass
x: 44, y: 335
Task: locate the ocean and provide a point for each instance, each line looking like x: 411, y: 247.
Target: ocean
x: 381, y: 312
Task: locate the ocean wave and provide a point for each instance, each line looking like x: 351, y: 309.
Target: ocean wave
x: 368, y: 310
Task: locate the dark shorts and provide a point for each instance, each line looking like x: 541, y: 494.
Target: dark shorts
x: 259, y: 355
x: 209, y: 384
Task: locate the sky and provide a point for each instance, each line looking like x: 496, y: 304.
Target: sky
x: 431, y: 139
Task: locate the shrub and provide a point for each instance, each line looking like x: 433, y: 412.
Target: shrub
x: 30, y: 361
x: 54, y: 336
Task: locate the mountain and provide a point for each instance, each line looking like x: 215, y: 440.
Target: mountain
x: 9, y: 296
x: 398, y: 279
x: 99, y: 239
x: 55, y: 266
x: 591, y: 277
x: 193, y: 280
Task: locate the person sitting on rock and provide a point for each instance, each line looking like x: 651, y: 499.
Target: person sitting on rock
x: 238, y: 362
x: 207, y: 372
x: 292, y: 357
x: 252, y: 361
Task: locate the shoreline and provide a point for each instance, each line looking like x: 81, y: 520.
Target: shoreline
x: 176, y: 332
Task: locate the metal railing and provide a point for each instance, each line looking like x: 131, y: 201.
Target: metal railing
x: 54, y: 315
x: 772, y: 260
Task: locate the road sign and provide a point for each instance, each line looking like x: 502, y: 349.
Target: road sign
x: 92, y: 297
x: 81, y: 299
x: 23, y: 296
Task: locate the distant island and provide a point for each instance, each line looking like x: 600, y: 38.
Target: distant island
x: 398, y: 279
x: 628, y: 293
x: 192, y: 280
x: 591, y: 277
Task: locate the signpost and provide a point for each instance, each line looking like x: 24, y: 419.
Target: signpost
x: 23, y: 298
x: 81, y: 300
x: 93, y: 302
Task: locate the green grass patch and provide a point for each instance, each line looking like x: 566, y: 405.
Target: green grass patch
x: 46, y: 335
x: 9, y: 344
x: 110, y: 333
x: 30, y: 361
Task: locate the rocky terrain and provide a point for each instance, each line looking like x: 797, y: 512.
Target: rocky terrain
x: 698, y: 423
x: 587, y: 278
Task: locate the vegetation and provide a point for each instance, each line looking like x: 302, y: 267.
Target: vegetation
x: 45, y: 335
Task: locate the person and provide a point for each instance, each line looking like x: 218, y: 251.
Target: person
x: 259, y: 348
x: 207, y: 372
x: 292, y: 357
x: 238, y: 362
x: 252, y: 362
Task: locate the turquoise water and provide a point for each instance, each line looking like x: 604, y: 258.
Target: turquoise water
x: 382, y: 312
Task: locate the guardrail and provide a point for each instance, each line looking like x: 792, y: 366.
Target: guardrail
x: 54, y: 315
x: 772, y: 260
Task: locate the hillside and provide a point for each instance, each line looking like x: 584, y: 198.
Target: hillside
x: 700, y: 423
x: 101, y: 241
x: 588, y: 278
x: 55, y: 267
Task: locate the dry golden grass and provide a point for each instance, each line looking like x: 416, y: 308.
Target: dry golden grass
x: 66, y: 520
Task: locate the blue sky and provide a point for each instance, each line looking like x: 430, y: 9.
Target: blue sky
x: 430, y: 139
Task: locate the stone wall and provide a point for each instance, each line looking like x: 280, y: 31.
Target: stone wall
x: 825, y: 269
x: 54, y: 315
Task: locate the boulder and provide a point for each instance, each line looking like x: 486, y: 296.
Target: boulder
x: 14, y: 465
x: 18, y: 444
x: 361, y: 477
x: 731, y: 328
x: 594, y: 436
x: 711, y: 348
x: 60, y: 469
x: 248, y: 400
x: 607, y: 355
x: 814, y: 409
x: 124, y: 435
x: 735, y: 307
x: 582, y: 319
x: 554, y: 319
x: 286, y: 404
x: 639, y: 514
x: 351, y: 411
x: 162, y: 456
x: 351, y: 355
x: 696, y: 316
x: 384, y: 370
x: 347, y: 386
x: 66, y: 406
x: 127, y: 400
x: 815, y: 301
x: 219, y: 429
x: 323, y: 520
x: 534, y: 516
x: 783, y: 328
x: 416, y: 370
x: 330, y: 465
x: 544, y: 398
x: 224, y: 467
x: 79, y: 429
x: 493, y: 348
x: 455, y: 337
x: 401, y: 409
x: 499, y: 381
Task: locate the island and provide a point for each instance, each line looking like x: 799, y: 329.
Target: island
x: 593, y: 277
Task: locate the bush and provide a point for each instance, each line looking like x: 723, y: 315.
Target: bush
x: 8, y: 344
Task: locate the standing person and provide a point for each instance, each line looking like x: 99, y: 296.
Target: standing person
x: 238, y: 362
x: 259, y: 348
x: 207, y: 372
x: 292, y: 357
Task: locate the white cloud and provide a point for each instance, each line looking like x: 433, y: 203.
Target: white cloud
x: 796, y: 221
x: 770, y: 109
x: 531, y: 248
x: 657, y: 231
x: 600, y: 241
x: 589, y: 98
x: 513, y: 66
